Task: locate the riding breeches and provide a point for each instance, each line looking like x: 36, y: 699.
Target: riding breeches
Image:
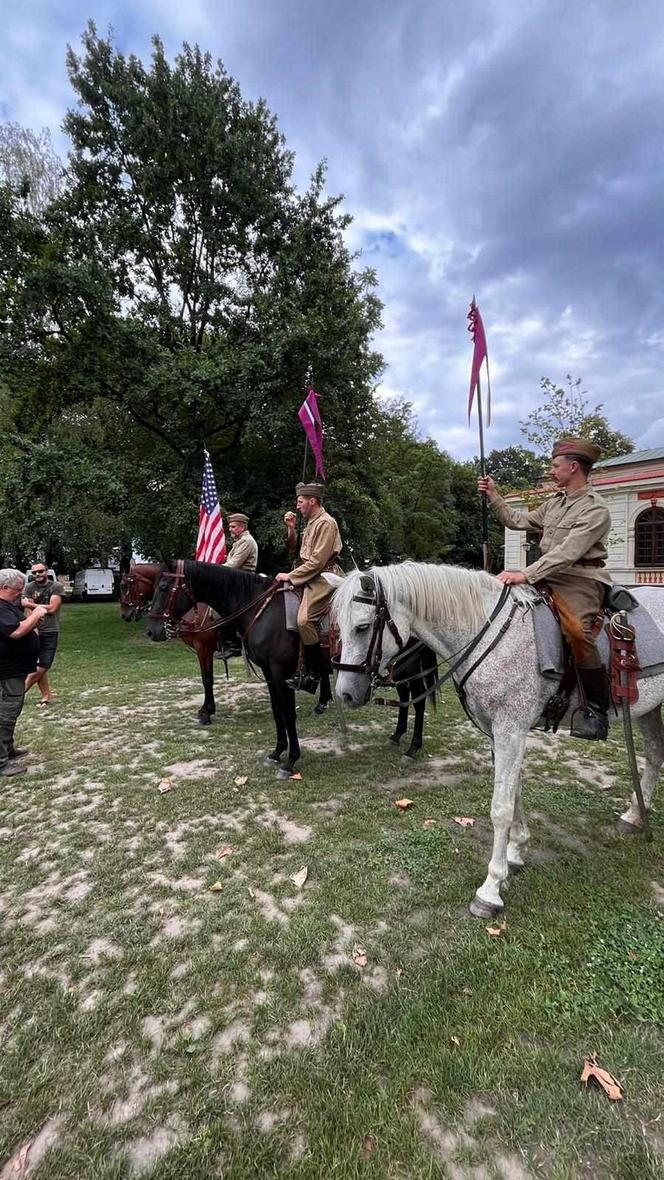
x: 316, y: 595
x: 584, y: 597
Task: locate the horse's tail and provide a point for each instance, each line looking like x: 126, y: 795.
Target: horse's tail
x: 572, y: 629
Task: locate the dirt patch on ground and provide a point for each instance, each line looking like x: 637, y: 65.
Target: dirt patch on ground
x: 292, y: 832
x: 27, y: 1158
x: 144, y: 1153
x: 451, y: 1142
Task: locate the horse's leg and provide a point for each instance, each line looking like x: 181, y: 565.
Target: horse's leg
x: 519, y: 836
x: 208, y: 708
x: 279, y: 724
x: 653, y: 740
x: 418, y: 687
x: 403, y: 692
x: 287, y: 697
x: 509, y: 746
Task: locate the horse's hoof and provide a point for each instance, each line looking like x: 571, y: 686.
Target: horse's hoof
x: 410, y: 755
x: 482, y: 909
x: 270, y: 761
x: 627, y: 829
x: 284, y: 772
x: 395, y: 738
x: 320, y: 708
x: 203, y: 719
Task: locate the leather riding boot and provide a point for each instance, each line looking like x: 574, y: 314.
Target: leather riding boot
x: 309, y: 678
x: 229, y: 651
x: 592, y: 722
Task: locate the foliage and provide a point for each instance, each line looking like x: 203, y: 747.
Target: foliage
x: 514, y: 468
x: 566, y: 411
x: 30, y: 166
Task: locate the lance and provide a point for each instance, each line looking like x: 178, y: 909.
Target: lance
x: 480, y: 354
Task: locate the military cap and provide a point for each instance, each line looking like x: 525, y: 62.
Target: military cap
x: 238, y: 518
x: 310, y: 489
x: 577, y: 448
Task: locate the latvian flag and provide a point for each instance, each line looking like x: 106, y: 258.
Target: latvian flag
x: 211, y: 543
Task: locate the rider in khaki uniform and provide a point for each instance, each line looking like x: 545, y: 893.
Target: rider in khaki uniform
x: 574, y: 525
x: 243, y: 555
x: 319, y: 550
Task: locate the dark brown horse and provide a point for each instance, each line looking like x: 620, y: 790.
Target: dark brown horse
x: 198, y: 633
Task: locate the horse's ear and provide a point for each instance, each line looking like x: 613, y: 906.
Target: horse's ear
x: 367, y: 584
x: 332, y: 580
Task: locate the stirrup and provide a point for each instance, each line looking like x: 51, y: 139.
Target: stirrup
x: 304, y: 682
x: 228, y: 653
x: 589, y: 723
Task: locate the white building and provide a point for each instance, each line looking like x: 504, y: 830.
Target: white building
x: 633, y: 487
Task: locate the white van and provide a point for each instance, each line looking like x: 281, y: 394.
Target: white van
x: 93, y: 583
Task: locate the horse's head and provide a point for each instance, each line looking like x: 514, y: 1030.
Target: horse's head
x: 128, y: 612
x: 171, y: 600
x: 371, y: 632
x: 136, y: 587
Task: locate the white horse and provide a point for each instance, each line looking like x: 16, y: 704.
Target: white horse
x: 447, y: 607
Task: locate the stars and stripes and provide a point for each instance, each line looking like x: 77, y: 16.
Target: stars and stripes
x: 211, y: 543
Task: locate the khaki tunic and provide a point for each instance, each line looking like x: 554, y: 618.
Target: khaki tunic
x: 243, y: 553
x: 574, y: 529
x: 319, y: 549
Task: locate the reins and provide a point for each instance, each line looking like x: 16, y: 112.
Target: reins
x: 382, y: 618
x: 179, y: 581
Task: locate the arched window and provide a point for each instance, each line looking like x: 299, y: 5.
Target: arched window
x: 649, y: 537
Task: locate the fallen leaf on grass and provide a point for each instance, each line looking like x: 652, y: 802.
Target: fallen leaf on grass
x: 241, y: 779
x: 467, y: 991
x: 592, y: 1072
x: 299, y: 878
x: 165, y: 786
x: 464, y: 821
x: 496, y: 931
x: 222, y: 853
x: 251, y: 893
x: 217, y: 887
x: 368, y: 1144
x: 403, y: 804
x: 455, y: 1041
x: 429, y: 823
x: 297, y: 777
x: 359, y: 956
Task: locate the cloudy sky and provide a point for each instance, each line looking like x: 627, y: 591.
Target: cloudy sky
x: 507, y: 148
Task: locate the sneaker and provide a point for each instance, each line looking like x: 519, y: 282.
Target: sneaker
x: 18, y: 752
x: 11, y: 769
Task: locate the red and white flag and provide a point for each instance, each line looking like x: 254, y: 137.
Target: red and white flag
x: 211, y: 543
x: 480, y: 354
x: 309, y: 416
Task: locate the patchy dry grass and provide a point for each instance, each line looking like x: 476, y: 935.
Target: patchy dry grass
x: 150, y: 1025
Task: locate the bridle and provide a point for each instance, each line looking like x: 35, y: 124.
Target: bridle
x: 179, y: 582
x: 382, y: 619
x: 130, y: 594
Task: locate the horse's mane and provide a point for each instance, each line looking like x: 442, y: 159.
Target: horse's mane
x: 430, y: 592
x: 230, y: 588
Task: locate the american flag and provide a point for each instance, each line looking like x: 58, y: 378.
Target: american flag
x: 211, y: 543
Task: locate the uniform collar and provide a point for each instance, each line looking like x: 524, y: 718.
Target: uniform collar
x: 315, y: 515
x: 578, y: 493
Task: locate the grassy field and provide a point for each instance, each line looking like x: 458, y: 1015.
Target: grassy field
x: 153, y: 1026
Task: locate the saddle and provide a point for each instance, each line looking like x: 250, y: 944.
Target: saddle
x: 623, y: 661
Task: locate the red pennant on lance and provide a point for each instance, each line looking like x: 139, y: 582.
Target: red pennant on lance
x: 211, y: 543
x: 309, y: 416
x: 480, y: 354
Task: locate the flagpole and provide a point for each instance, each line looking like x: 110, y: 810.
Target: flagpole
x: 304, y: 462
x: 485, y: 502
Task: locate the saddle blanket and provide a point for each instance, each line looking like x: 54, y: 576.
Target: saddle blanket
x: 548, y: 640
x: 291, y: 607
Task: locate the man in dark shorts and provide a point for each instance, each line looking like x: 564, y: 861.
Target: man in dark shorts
x: 19, y: 647
x: 43, y: 591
